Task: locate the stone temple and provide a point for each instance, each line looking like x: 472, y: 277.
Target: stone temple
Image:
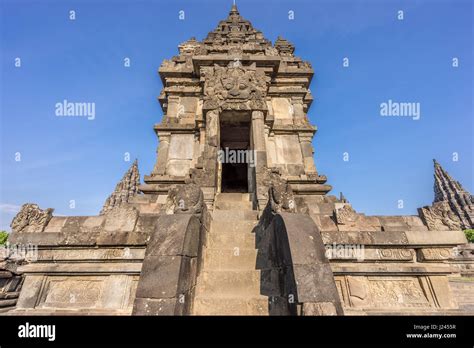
x: 235, y: 218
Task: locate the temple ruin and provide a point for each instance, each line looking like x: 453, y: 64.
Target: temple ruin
x: 235, y: 218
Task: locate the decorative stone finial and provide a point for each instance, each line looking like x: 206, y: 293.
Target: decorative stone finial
x: 31, y: 218
x: 234, y: 10
x: 284, y: 47
x: 342, y: 198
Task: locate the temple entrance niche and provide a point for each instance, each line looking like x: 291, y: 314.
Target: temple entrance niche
x: 236, y: 156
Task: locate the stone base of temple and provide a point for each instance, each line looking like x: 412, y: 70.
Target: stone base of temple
x: 321, y: 259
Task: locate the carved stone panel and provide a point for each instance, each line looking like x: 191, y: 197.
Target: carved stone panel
x: 101, y: 293
x: 367, y: 292
x: 440, y: 216
x: 234, y: 87
x: 72, y: 293
x: 435, y: 254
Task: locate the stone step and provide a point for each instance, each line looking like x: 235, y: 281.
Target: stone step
x: 237, y: 205
x: 231, y: 240
x: 229, y: 284
x: 229, y: 259
x: 230, y: 306
x: 232, y: 197
x: 234, y: 215
x: 234, y: 227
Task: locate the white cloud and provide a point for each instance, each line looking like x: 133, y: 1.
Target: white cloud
x: 9, y: 208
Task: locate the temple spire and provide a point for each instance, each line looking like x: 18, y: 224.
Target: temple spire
x: 446, y: 189
x: 453, y: 206
x: 124, y: 190
x: 234, y: 10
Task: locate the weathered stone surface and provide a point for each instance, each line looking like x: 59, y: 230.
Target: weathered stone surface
x: 366, y: 238
x: 348, y: 220
x: 435, y: 237
x: 146, y: 224
x: 386, y: 293
x: 318, y: 308
x: 82, y: 267
x: 307, y: 276
x: 170, y: 267
x: 92, y: 224
x: 82, y: 292
x: 440, y: 216
x: 294, y: 245
x: 183, y: 242
x: 31, y: 219
x: 393, y: 223
x: 159, y: 277
x: 414, y: 223
x: 235, y: 87
x: 30, y: 291
x: 185, y: 199
x: 228, y: 282
x: 56, y: 224
x: 11, y: 277
x: 151, y: 306
x: 380, y: 269
x: 281, y: 197
x: 92, y: 254
x: 121, y: 219
x: 462, y: 289
x: 435, y: 254
x: 324, y: 223
x: 119, y: 238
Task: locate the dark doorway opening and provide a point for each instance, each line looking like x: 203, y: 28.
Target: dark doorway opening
x: 234, y: 177
x: 235, y: 145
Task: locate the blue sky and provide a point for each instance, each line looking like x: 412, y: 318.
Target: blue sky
x: 64, y: 159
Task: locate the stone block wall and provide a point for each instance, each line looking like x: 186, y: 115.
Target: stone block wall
x: 169, y: 272
x: 296, y: 274
x: 387, y: 264
x: 85, y: 265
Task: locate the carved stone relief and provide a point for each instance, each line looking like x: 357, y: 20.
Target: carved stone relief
x: 31, y: 218
x: 234, y: 87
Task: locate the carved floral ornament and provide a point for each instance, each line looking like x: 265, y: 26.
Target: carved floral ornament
x: 234, y: 87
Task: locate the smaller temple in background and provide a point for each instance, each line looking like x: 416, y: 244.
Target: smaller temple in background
x: 125, y: 189
x: 453, y: 206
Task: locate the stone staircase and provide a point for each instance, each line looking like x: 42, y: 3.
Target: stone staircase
x: 229, y: 283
